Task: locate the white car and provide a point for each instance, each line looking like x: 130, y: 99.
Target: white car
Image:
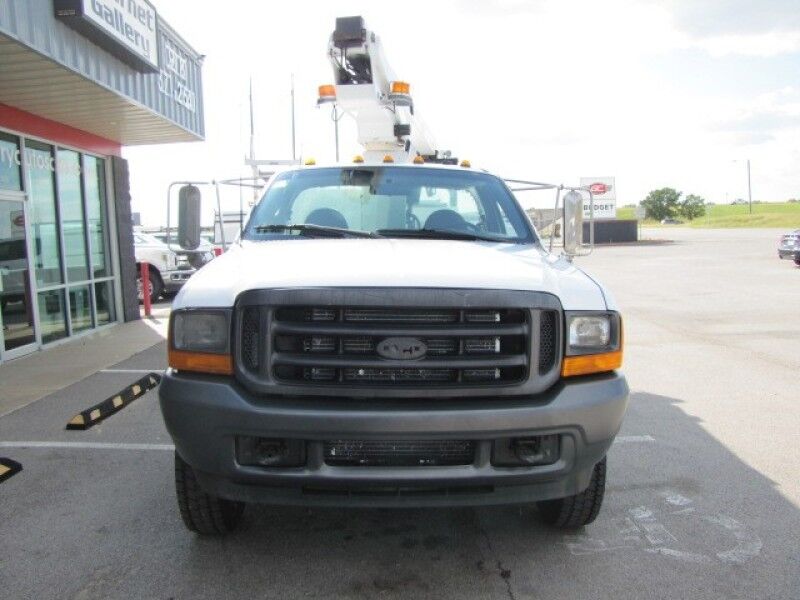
x: 168, y: 270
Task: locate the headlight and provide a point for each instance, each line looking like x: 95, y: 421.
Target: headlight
x: 589, y: 332
x: 200, y: 341
x: 594, y: 343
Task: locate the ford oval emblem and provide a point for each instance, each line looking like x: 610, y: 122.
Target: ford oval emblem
x: 400, y: 348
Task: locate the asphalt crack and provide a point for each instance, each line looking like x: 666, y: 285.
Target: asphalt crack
x: 502, y: 572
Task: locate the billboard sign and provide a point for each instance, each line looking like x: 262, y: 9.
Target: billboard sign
x: 605, y: 197
x: 128, y: 29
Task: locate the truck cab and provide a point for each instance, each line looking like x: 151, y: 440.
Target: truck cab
x: 387, y: 334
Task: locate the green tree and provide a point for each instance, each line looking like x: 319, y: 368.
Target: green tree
x: 692, y: 207
x: 661, y: 204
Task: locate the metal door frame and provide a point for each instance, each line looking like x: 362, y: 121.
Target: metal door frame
x: 5, y: 355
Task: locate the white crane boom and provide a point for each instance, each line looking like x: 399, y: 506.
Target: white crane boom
x: 367, y: 90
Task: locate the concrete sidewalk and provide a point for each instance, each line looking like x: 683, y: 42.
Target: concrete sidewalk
x: 32, y: 377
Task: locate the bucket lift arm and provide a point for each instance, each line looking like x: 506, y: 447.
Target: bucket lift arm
x: 367, y: 90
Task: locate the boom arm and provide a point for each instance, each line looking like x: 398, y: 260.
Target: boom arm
x: 367, y: 90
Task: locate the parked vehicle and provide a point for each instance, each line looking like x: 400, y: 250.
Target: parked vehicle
x: 789, y: 246
x: 388, y: 334
x: 198, y: 257
x: 168, y: 270
x: 671, y: 221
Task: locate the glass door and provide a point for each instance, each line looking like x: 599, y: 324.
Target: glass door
x: 17, y: 315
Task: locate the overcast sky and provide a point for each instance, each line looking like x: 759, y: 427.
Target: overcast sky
x: 656, y: 93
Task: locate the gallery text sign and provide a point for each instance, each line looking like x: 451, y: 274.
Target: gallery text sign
x: 605, y: 197
x: 128, y: 29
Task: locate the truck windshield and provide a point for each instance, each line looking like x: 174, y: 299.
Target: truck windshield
x: 389, y: 202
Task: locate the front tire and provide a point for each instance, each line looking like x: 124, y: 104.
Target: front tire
x: 201, y: 512
x: 581, y: 509
x: 797, y: 261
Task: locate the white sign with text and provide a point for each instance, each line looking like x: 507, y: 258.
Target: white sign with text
x: 605, y: 197
x: 133, y: 23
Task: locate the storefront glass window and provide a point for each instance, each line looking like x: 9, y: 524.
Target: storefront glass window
x: 65, y: 205
x: 71, y: 200
x: 44, y: 219
x: 51, y: 315
x: 10, y: 163
x: 104, y: 297
x: 80, y: 308
x: 95, y: 184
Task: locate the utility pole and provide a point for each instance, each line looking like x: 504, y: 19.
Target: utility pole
x: 252, y: 145
x: 749, y: 189
x: 294, y: 148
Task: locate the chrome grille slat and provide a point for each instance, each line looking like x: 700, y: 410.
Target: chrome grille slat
x: 347, y: 329
x: 341, y: 361
x: 388, y: 315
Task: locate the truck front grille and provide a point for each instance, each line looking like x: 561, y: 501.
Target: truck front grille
x: 397, y: 342
x: 348, y: 346
x: 406, y: 453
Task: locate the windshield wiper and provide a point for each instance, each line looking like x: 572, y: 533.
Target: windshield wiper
x: 443, y: 234
x: 320, y: 230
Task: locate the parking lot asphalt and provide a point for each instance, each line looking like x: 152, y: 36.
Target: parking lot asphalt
x: 703, y: 496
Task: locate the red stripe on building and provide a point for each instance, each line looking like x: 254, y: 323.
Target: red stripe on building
x: 33, y: 125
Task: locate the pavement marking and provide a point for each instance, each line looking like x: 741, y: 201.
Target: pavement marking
x: 87, y: 446
x: 115, y: 403
x: 8, y: 468
x: 130, y: 371
x: 748, y: 544
x: 692, y: 557
x: 629, y: 439
x: 642, y: 531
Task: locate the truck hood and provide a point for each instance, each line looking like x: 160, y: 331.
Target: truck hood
x: 387, y: 262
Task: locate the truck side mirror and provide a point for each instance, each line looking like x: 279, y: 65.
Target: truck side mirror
x: 573, y: 223
x: 189, y: 201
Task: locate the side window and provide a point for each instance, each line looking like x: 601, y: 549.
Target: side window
x: 506, y: 227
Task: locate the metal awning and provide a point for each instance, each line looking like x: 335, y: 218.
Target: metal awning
x: 34, y: 83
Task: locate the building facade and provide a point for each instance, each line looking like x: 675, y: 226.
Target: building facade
x: 80, y: 79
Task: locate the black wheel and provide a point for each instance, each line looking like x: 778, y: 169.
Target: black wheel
x: 578, y: 510
x: 201, y: 512
x: 797, y: 261
x: 156, y: 287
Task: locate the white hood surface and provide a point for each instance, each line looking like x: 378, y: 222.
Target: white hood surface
x: 350, y: 262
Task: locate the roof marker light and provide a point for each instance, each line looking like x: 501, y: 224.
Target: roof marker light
x: 418, y: 160
x: 310, y: 161
x: 466, y: 164
x: 388, y: 158
x: 327, y: 93
x: 400, y: 87
x: 358, y: 158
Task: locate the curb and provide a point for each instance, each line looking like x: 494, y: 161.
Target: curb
x: 8, y: 468
x: 93, y: 415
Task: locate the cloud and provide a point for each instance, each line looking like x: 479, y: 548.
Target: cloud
x: 763, y: 119
x: 736, y: 27
x: 719, y: 18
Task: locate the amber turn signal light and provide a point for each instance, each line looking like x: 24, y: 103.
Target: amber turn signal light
x: 591, y: 363
x: 201, y: 362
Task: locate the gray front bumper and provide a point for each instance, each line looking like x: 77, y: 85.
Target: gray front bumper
x: 174, y: 280
x: 204, y: 414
